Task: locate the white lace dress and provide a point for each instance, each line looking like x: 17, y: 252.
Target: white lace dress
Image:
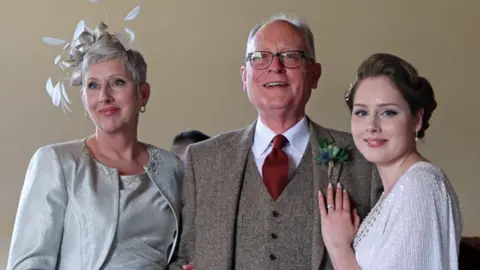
x: 418, y: 225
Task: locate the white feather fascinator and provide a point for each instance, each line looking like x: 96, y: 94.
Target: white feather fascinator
x: 71, y: 58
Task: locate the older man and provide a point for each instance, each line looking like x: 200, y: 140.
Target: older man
x: 250, y: 195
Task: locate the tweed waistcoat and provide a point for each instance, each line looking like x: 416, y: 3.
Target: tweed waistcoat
x: 275, y: 234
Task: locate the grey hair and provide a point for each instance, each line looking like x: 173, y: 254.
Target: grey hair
x: 293, y: 19
x: 109, y: 47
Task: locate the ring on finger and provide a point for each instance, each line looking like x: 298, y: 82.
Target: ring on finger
x: 330, y: 206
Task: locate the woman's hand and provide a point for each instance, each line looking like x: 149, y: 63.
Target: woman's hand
x: 339, y: 222
x: 189, y: 267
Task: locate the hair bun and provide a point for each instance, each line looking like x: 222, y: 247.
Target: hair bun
x: 426, y: 94
x: 427, y: 101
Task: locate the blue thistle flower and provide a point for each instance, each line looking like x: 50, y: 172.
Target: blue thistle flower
x: 324, y: 156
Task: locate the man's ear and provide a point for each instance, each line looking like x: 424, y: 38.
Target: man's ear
x: 316, y: 74
x: 243, y: 73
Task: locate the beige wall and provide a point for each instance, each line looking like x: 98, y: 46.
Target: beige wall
x: 195, y: 49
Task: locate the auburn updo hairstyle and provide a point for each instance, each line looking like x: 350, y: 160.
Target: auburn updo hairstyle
x: 416, y: 90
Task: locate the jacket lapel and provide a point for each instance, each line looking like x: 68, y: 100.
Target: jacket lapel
x: 227, y: 195
x: 320, y: 182
x: 164, y: 179
x: 104, y: 198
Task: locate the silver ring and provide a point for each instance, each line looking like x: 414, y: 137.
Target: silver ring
x: 330, y: 206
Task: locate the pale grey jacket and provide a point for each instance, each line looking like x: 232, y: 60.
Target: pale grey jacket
x: 68, y: 209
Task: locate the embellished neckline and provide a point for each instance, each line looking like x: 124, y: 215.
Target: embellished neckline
x: 129, y: 181
x: 369, y: 221
x: 152, y: 165
x: 134, y: 176
x: 372, y: 216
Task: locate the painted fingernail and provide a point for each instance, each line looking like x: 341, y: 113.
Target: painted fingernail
x: 339, y: 185
x: 320, y: 193
x: 329, y: 185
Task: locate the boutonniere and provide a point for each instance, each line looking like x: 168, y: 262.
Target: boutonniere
x: 331, y: 154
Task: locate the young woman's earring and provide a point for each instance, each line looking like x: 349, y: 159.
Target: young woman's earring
x: 416, y: 135
x: 143, y: 109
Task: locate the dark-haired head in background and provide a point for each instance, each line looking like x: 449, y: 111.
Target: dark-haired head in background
x: 184, y: 139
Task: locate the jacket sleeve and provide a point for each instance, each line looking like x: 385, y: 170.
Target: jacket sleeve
x: 422, y: 232
x: 38, y: 227
x: 187, y: 229
x: 376, y: 186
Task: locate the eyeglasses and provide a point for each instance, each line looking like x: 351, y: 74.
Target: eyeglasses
x: 263, y: 59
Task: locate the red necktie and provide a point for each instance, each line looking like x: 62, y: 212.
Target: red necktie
x: 275, y: 168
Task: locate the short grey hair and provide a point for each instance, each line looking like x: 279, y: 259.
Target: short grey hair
x: 110, y: 47
x: 293, y: 19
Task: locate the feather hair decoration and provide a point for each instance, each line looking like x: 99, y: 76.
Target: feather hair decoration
x: 58, y: 94
x: 57, y: 59
x: 132, y: 14
x: 83, y: 38
x: 79, y: 30
x: 129, y: 17
x: 130, y: 33
x: 54, y: 41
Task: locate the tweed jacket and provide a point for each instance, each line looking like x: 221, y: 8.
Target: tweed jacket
x: 69, y: 207
x: 213, y: 180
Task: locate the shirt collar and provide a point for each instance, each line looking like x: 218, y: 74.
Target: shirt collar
x: 297, y: 137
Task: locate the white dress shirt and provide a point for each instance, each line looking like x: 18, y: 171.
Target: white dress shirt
x: 297, y: 136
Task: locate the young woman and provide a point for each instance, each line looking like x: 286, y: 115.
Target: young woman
x: 417, y: 223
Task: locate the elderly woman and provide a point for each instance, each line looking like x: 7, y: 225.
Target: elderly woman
x: 107, y: 201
